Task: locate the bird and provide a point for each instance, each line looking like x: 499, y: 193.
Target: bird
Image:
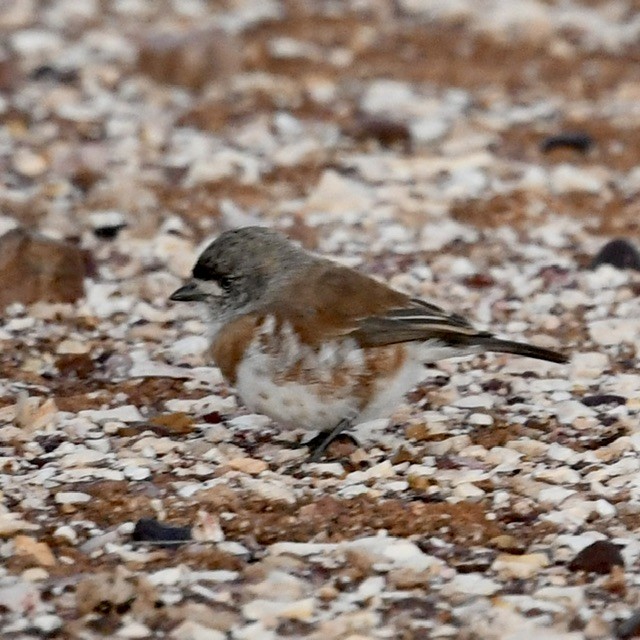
x: 316, y: 345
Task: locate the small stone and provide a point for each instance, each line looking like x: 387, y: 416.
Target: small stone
x: 72, y: 347
x: 481, y: 419
x: 133, y: 630
x: 81, y: 457
x: 178, y: 423
x: 566, y: 178
x: 619, y: 253
x: 471, y: 584
x: 39, y: 551
x: 206, y: 528
x: 150, y: 530
x: 578, y: 141
x: 481, y: 401
x: 407, y: 578
x: 136, y: 473
x: 66, y: 533
x: 572, y: 596
x: 520, y: 566
x: 252, y: 466
x: 603, y: 398
x: 124, y: 413
x: 189, y: 347
x: 599, y: 557
x: 268, y: 610
x: 11, y: 523
x: 428, y: 130
x: 418, y: 432
x: 554, y: 495
x: 590, y: 364
x: 72, y: 497
x: 32, y: 416
x: 605, y: 509
x: 107, y: 224
x: 35, y: 268
x: 570, y: 410
x: 614, y: 331
x: 468, y: 491
x: 35, y: 574
x: 270, y: 490
x: 559, y: 475
x: 506, y: 542
x: 386, y: 131
x: 19, y: 597
x: 47, y: 623
x: 29, y: 164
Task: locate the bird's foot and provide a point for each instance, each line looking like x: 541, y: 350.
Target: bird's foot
x: 320, y: 443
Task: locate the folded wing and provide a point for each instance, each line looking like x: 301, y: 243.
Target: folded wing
x: 422, y: 321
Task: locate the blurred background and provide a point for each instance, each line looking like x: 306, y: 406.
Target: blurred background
x: 354, y: 125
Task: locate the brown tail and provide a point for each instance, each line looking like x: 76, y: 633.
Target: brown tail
x: 522, y: 349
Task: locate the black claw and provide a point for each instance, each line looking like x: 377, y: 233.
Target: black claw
x: 319, y: 443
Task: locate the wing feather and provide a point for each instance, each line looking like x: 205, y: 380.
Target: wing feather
x: 419, y: 321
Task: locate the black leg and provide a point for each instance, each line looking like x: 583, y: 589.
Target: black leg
x: 318, y: 444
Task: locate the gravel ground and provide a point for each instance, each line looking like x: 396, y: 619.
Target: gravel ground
x: 478, y: 153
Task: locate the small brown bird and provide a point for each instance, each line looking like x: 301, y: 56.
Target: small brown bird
x: 316, y: 345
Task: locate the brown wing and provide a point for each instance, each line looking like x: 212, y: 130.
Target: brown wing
x: 418, y: 322
x: 343, y: 302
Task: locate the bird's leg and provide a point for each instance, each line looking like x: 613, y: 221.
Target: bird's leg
x: 318, y: 444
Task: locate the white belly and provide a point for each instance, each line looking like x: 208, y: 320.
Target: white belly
x: 311, y: 403
x: 294, y: 405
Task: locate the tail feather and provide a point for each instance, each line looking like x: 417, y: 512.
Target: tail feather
x: 522, y: 349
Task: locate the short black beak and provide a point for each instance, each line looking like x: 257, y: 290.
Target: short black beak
x: 189, y: 292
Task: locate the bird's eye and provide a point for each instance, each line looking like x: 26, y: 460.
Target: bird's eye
x: 225, y: 282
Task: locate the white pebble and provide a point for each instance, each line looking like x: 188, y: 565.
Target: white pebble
x: 568, y: 178
x: 590, y: 364
x: 133, y: 630
x: 481, y: 419
x: 72, y: 497
x: 570, y: 410
x: 269, y: 610
x: 136, y: 473
x: 554, y: 495
x: 47, y: 623
x: 482, y: 401
x: 468, y: 491
x: 471, y: 584
x: 520, y: 566
x: 65, y: 531
x: 125, y: 413
x: 614, y: 331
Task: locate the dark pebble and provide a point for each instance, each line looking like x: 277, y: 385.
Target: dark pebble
x: 108, y: 233
x: 605, y: 398
x: 479, y: 281
x: 47, y: 72
x: 578, y: 141
x: 386, y: 132
x: 213, y: 417
x: 598, y: 557
x: 619, y: 253
x: 150, y: 530
x: 629, y: 628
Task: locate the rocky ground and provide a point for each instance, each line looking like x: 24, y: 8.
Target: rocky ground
x: 478, y: 153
